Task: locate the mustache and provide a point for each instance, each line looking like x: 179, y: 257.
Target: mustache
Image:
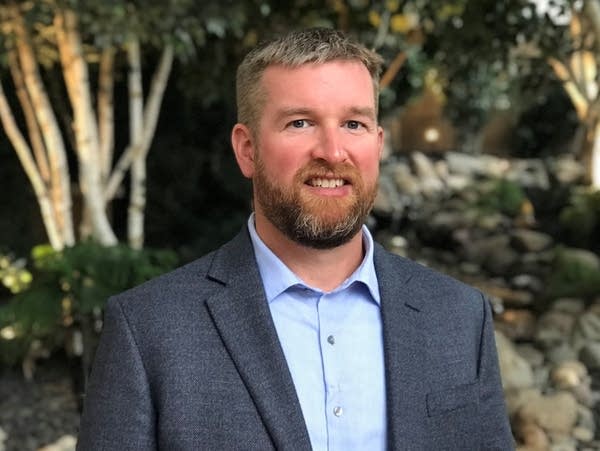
x: 320, y: 168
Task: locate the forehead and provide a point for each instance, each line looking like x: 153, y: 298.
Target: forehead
x: 334, y: 83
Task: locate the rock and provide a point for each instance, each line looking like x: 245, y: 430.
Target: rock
x: 472, y: 165
x: 458, y: 182
x: 560, y: 353
x: 525, y: 240
x: 65, y: 443
x: 515, y: 399
x: 588, y: 326
x: 441, y: 169
x: 580, y: 257
x: 430, y: 182
x: 469, y: 268
x: 533, y: 437
x: 516, y: 372
x: 583, y: 434
x: 493, y: 222
x: 566, y: 169
x: 387, y: 201
x: 585, y: 419
x: 3, y: 438
x: 502, y: 262
x: 530, y: 173
x: 554, y: 328
x: 569, y: 374
x: 554, y: 413
x: 405, y: 181
x: 561, y: 442
x: 516, y: 324
x: 493, y: 253
x: 527, y: 282
x: 571, y: 306
x: 533, y: 355
x: 590, y: 355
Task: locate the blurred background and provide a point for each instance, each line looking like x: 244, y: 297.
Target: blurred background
x: 116, y: 166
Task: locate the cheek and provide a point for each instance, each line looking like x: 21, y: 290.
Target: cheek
x: 280, y: 160
x: 369, y: 167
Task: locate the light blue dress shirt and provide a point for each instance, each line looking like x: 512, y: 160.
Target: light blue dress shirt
x: 333, y: 345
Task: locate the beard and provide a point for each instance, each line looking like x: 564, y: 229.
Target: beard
x: 320, y: 222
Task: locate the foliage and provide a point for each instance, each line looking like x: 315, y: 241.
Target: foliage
x: 13, y: 273
x: 580, y: 219
x: 501, y: 195
x: 69, y: 289
x: 574, y: 274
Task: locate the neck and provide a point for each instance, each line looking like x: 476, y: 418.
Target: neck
x: 325, y: 269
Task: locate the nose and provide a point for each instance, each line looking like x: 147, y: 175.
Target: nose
x: 330, y: 146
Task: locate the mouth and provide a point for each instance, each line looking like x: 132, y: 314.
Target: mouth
x: 323, y: 182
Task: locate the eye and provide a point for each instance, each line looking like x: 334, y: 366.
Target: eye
x: 299, y: 123
x: 354, y: 125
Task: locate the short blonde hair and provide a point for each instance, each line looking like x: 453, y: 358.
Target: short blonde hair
x: 310, y: 46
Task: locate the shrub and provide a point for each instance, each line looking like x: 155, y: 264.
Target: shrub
x: 63, y: 305
x: 501, y: 195
x: 580, y: 219
x: 575, y: 273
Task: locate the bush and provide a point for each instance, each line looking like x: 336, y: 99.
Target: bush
x: 580, y: 219
x: 502, y: 196
x: 575, y: 273
x: 63, y: 305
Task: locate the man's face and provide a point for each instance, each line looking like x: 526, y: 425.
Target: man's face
x: 316, y: 152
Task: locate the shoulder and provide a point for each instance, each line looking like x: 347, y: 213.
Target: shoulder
x: 185, y: 282
x: 430, y: 289
x: 190, y: 284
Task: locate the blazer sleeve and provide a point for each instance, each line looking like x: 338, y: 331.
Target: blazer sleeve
x: 118, y: 412
x: 495, y: 428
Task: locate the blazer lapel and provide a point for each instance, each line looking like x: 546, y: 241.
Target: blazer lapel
x: 241, y: 314
x: 404, y: 345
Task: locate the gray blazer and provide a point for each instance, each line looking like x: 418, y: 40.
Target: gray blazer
x: 191, y: 361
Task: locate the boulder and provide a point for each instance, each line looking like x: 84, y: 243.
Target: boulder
x: 515, y: 370
x: 554, y: 328
x: 590, y: 355
x: 526, y: 240
x: 555, y: 413
x: 569, y: 374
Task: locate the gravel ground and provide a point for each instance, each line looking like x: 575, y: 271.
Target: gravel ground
x: 38, y: 413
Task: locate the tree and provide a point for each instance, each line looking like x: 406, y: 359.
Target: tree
x: 513, y: 51
x: 74, y: 40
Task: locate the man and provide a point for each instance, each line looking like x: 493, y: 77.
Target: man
x: 301, y: 332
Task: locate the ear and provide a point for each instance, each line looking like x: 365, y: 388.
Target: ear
x: 243, y: 148
x: 380, y: 140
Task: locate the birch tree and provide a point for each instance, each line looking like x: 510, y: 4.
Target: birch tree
x: 87, y: 43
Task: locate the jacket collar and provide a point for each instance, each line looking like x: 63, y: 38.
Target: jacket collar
x: 241, y: 315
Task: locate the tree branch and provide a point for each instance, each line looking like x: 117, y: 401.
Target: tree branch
x: 59, y: 171
x: 106, y: 123
x: 31, y: 169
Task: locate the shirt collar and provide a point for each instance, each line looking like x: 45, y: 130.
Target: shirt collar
x: 277, y: 277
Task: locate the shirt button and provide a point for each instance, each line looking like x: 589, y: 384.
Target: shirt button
x: 338, y: 411
x: 331, y: 340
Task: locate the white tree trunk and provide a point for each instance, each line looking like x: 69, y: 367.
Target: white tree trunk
x: 105, y: 111
x: 59, y: 171
x: 35, y: 136
x: 595, y: 158
x: 24, y: 153
x: 76, y: 77
x: 143, y: 128
x: 137, y: 194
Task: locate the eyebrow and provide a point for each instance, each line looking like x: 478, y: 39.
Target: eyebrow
x: 300, y: 111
